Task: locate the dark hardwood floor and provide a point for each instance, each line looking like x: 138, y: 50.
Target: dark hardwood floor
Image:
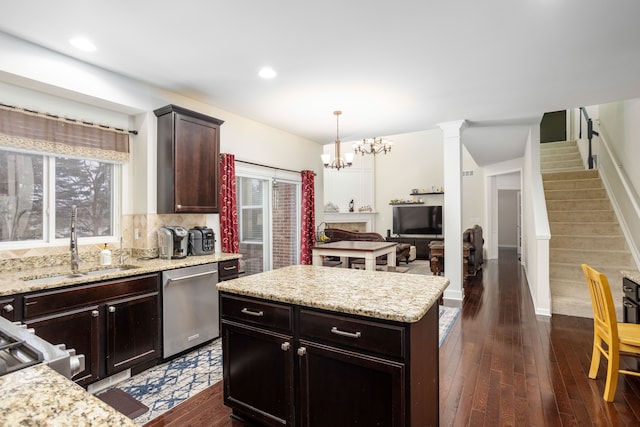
x: 500, y: 365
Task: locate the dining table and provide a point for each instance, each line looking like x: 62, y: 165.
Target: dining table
x: 345, y: 249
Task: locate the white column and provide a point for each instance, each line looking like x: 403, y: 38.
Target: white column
x: 453, y: 208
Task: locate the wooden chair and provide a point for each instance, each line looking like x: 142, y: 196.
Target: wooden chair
x: 618, y: 337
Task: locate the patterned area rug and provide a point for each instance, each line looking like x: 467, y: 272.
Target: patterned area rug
x: 165, y: 386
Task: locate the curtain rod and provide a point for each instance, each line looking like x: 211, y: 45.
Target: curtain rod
x: 270, y: 167
x: 53, y: 116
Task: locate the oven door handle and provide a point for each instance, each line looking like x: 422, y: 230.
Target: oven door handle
x: 190, y: 276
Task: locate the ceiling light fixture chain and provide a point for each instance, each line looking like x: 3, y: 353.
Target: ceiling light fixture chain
x: 337, y: 163
x: 372, y: 146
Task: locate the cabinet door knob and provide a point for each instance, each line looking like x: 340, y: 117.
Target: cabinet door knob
x: 112, y: 309
x: 302, y: 351
x: 285, y: 346
x: 7, y: 308
x: 95, y: 313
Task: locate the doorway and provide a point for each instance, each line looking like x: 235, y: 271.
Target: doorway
x: 268, y: 219
x: 508, y: 219
x: 553, y: 126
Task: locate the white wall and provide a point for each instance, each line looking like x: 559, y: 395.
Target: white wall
x: 416, y: 161
x: 507, y: 218
x: 65, y: 83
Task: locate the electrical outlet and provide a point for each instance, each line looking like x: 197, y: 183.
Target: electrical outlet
x: 136, y: 233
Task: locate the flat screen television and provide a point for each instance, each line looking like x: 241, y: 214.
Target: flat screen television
x: 417, y: 219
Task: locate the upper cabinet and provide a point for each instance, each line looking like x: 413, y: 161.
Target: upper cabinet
x: 188, y: 161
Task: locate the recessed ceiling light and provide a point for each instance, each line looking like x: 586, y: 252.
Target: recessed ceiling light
x: 82, y: 43
x: 267, y: 73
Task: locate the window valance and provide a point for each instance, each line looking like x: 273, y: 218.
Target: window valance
x: 33, y: 131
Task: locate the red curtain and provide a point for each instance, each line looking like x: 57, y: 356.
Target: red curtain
x: 307, y: 232
x: 228, y: 204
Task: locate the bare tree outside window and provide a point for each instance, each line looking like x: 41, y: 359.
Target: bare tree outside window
x: 88, y: 185
x: 21, y: 196
x: 24, y: 180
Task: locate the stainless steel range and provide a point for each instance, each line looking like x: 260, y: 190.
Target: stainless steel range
x: 20, y: 348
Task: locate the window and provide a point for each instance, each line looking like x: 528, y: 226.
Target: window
x: 49, y: 164
x: 251, y: 209
x: 37, y: 192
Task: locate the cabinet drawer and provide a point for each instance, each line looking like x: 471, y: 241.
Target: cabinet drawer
x: 57, y: 300
x: 360, y: 334
x: 630, y: 311
x: 228, y: 269
x: 631, y: 289
x: 257, y: 312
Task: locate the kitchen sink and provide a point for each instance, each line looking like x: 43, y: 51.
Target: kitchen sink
x: 90, y: 273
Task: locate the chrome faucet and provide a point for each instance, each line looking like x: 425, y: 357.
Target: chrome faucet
x: 73, y: 244
x: 123, y: 257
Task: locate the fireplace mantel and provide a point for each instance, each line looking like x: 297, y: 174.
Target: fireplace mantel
x: 368, y: 218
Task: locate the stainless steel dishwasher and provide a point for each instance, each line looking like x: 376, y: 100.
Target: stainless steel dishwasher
x: 189, y: 307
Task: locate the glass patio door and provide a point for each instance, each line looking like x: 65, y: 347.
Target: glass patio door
x: 268, y: 221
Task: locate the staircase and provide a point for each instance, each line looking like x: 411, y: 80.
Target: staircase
x: 584, y: 229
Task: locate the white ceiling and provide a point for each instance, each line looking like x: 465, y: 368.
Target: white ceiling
x: 390, y: 66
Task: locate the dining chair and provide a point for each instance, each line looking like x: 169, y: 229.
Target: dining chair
x: 619, y: 338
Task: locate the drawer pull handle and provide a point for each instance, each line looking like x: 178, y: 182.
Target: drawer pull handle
x: 252, y: 313
x: 95, y: 313
x: 230, y: 268
x: 302, y: 351
x: 285, y: 346
x: 628, y: 304
x: 337, y: 331
x: 627, y: 288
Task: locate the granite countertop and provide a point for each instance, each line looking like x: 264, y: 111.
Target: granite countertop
x: 633, y: 275
x: 382, y: 295
x: 39, y: 396
x: 13, y: 282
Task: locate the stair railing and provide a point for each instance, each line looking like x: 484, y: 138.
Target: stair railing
x: 624, y: 199
x: 590, y: 133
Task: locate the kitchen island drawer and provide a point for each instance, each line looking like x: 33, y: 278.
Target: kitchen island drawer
x: 631, y: 289
x: 371, y: 336
x: 49, y: 302
x: 256, y: 312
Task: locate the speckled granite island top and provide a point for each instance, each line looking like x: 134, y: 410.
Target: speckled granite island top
x: 633, y: 275
x: 39, y: 396
x: 13, y: 282
x: 381, y: 295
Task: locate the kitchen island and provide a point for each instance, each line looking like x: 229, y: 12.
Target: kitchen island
x: 318, y: 346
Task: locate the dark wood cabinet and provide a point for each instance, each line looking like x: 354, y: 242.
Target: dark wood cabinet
x: 78, y: 329
x: 229, y: 269
x: 348, y: 369
x: 342, y: 388
x: 258, y: 374
x: 630, y: 301
x: 132, y: 332
x: 188, y: 161
x: 114, y: 323
x: 258, y: 368
x: 8, y: 307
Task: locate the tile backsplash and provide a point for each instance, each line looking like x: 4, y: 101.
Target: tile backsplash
x: 143, y: 226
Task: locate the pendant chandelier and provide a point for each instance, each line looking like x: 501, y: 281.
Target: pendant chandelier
x: 372, y: 146
x: 337, y: 163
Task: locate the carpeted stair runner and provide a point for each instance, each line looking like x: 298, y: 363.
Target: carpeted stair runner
x: 584, y: 229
